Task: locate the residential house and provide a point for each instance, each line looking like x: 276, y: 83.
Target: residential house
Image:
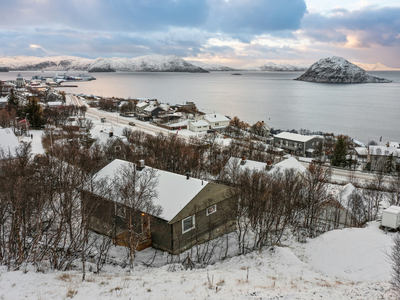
x: 150, y: 112
x: 378, y: 156
x: 235, y: 166
x: 190, y: 211
x: 297, y: 144
x: 216, y: 121
x: 199, y: 126
x: 115, y: 146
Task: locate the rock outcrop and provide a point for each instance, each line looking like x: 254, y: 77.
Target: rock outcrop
x: 338, y: 70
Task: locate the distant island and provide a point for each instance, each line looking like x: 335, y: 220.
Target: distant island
x: 338, y: 70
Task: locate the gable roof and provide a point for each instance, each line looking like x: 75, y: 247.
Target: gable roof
x: 290, y: 163
x: 174, y: 190
x: 8, y: 144
x: 215, y: 118
x: 249, y: 164
x: 295, y: 136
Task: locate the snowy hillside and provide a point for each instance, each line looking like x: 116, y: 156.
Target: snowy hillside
x: 211, y: 67
x: 338, y: 70
x: 280, y: 68
x: 55, y: 63
x: 341, y: 264
x: 374, y: 67
x: 150, y: 63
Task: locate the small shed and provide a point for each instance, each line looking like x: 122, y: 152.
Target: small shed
x: 391, y: 217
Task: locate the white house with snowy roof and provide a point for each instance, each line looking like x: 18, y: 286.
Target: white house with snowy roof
x: 235, y: 166
x: 199, y: 126
x: 378, y: 156
x: 181, y: 212
x: 216, y: 121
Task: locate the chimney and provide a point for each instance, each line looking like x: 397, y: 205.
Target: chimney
x: 110, y: 134
x: 187, y: 176
x: 243, y: 161
x: 269, y: 165
x: 141, y: 165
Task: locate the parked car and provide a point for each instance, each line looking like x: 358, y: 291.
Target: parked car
x: 132, y: 124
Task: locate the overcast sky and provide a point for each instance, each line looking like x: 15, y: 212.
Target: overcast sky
x: 230, y: 32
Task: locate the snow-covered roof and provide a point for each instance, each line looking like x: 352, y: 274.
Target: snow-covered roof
x: 249, y: 164
x: 3, y: 99
x: 174, y: 190
x: 395, y: 210
x: 8, y: 143
x: 150, y: 108
x: 357, y: 142
x: 215, y: 118
x: 54, y: 103
x: 394, y: 144
x: 361, y: 150
x: 200, y: 123
x: 296, y: 137
x: 344, y: 194
x: 290, y: 163
x: 382, y: 150
x: 142, y: 104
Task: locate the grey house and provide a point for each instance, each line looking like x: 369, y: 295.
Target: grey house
x: 297, y: 144
x: 190, y: 211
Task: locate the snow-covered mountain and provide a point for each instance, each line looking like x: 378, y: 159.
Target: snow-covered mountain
x: 374, y: 67
x: 149, y: 63
x: 211, y: 67
x: 280, y: 68
x: 338, y: 70
x: 55, y: 63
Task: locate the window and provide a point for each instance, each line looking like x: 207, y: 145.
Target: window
x: 216, y: 124
x: 188, y: 224
x: 120, y: 210
x: 117, y: 148
x: 210, y: 210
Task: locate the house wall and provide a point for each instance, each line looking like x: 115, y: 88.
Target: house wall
x: 296, y: 147
x: 206, y: 227
x: 161, y: 234
x: 198, y: 128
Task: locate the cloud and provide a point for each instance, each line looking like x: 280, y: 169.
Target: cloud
x: 255, y: 17
x: 369, y: 26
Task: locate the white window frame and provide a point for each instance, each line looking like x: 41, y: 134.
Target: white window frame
x: 193, y: 224
x: 214, y: 207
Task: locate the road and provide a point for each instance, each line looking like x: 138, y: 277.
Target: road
x: 344, y: 175
x: 114, y: 118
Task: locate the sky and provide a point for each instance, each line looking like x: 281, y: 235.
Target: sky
x: 230, y: 32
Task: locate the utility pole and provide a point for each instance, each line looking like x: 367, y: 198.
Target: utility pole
x: 26, y: 122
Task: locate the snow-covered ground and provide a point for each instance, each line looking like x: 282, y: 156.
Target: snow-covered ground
x: 341, y: 264
x: 36, y: 141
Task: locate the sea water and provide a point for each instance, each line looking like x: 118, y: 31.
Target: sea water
x: 363, y: 111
